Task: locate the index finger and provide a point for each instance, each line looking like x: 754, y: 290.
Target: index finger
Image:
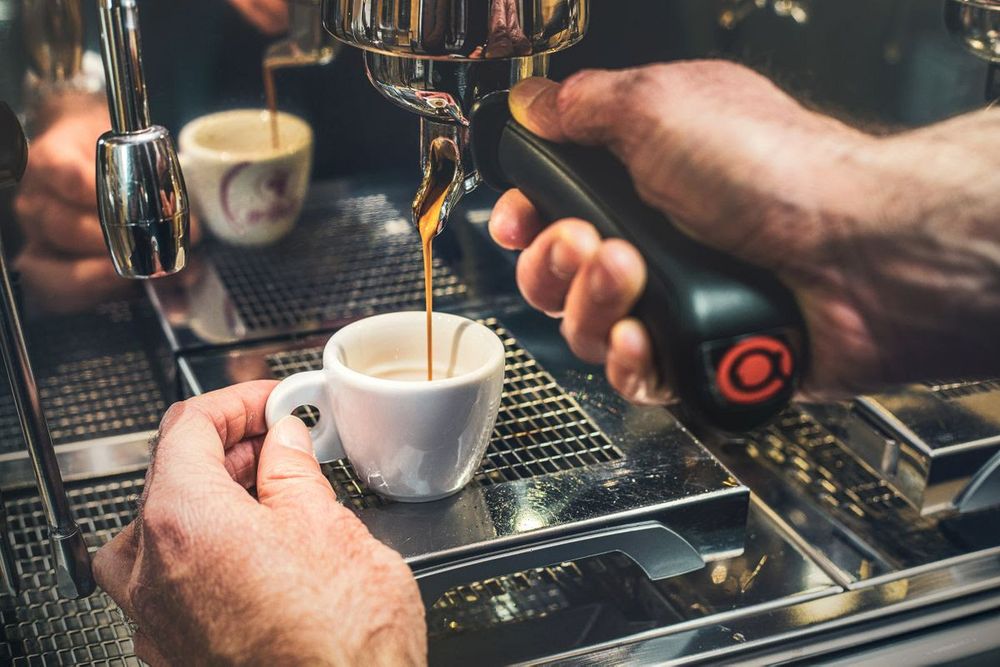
x: 515, y: 222
x: 195, y: 434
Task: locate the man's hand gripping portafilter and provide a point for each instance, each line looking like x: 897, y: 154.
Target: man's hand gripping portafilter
x: 728, y: 335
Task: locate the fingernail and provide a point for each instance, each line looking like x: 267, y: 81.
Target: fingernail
x: 290, y: 432
x: 524, y: 94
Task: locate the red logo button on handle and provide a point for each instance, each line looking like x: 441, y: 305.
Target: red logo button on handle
x: 754, y: 370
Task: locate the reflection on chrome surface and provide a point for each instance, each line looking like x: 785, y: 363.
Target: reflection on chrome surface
x: 470, y: 29
x: 976, y: 24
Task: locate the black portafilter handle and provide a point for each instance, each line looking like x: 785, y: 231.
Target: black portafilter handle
x: 728, y: 336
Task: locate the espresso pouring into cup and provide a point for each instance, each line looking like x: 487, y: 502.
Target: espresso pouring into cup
x: 247, y: 190
x: 408, y: 439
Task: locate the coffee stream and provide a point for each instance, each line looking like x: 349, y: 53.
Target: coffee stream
x: 439, y: 175
x: 271, y: 64
x: 271, y: 95
x: 441, y: 172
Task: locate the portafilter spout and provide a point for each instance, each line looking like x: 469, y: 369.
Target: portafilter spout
x: 437, y: 58
x: 141, y: 195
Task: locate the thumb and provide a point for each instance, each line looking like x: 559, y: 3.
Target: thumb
x: 589, y: 108
x: 288, y: 472
x: 534, y: 104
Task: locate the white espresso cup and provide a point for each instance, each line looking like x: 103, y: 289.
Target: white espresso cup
x: 245, y: 189
x: 409, y: 439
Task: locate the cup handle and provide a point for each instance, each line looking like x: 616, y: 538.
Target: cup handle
x: 307, y: 388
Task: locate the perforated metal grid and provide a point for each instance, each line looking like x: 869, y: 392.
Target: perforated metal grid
x: 39, y: 628
x: 513, y: 598
x: 540, y: 429
x: 955, y: 390
x: 362, y: 258
x: 817, y: 464
x: 10, y: 429
x: 95, y: 378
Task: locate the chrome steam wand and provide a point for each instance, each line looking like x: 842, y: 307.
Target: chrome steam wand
x: 69, y: 551
x: 141, y: 195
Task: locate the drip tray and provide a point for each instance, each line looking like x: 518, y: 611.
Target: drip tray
x: 937, y: 444
x: 805, y: 468
x: 104, y: 380
x: 353, y: 253
x: 571, y: 472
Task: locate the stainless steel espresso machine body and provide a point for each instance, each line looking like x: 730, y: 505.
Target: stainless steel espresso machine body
x: 595, y: 532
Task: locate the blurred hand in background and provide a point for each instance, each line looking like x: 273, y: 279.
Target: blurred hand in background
x: 268, y: 16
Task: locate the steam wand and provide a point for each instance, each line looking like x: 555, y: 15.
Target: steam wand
x: 69, y: 551
x: 141, y: 194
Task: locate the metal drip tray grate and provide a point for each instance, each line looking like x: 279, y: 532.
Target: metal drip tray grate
x: 39, y: 628
x: 95, y: 379
x: 878, y: 532
x: 806, y: 453
x: 509, y: 599
x: 540, y: 429
x: 10, y: 429
x: 90, y: 405
x: 361, y: 258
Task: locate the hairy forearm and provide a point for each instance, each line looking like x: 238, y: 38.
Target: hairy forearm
x: 929, y: 250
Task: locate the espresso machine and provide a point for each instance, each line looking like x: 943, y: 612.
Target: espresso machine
x: 976, y: 25
x: 594, y: 531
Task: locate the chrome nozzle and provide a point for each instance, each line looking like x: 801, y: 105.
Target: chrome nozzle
x: 143, y: 203
x: 142, y: 199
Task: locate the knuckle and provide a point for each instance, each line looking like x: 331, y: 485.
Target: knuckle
x: 584, y: 343
x: 22, y: 206
x: 103, y: 564
x: 164, y: 524
x: 573, y: 87
x: 641, y: 79
x: 300, y: 494
x: 293, y: 470
x: 576, y: 93
x: 528, y: 278
x: 172, y: 415
x: 576, y: 228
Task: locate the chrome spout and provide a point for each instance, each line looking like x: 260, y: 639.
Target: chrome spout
x: 446, y: 158
x: 141, y: 195
x: 443, y: 94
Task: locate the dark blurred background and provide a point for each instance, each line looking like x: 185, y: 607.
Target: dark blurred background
x: 883, y: 62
